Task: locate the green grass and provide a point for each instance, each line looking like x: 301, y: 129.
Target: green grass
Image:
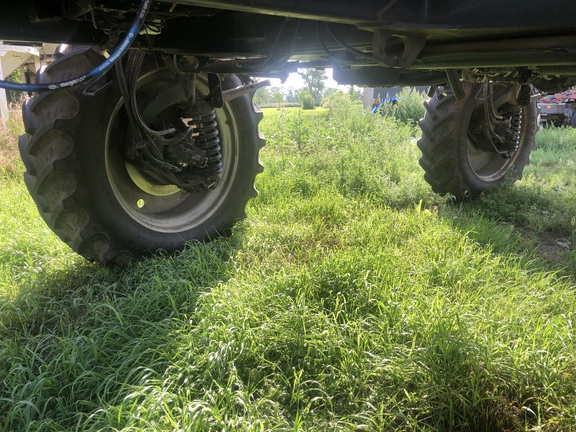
x: 9, y: 131
x: 351, y: 298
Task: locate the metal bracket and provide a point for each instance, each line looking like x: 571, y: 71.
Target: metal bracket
x: 524, y: 95
x: 386, y: 46
x: 217, y: 98
x: 98, y: 85
x: 455, y: 83
x: 235, y: 92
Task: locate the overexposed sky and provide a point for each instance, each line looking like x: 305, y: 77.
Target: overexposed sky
x: 296, y: 82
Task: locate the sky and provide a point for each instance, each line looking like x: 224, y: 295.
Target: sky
x: 296, y: 82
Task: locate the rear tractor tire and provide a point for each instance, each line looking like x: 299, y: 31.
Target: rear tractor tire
x: 107, y: 208
x: 475, y: 143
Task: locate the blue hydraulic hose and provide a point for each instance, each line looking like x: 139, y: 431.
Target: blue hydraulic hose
x: 103, y: 68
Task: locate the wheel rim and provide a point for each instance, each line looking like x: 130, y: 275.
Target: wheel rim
x: 491, y: 166
x: 488, y: 166
x: 167, y: 208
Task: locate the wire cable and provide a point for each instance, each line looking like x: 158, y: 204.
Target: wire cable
x: 99, y: 70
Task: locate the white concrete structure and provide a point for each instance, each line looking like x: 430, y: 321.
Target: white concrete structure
x: 368, y: 98
x: 13, y: 57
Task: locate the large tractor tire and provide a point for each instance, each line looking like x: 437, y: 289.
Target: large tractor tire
x: 98, y: 202
x: 475, y: 143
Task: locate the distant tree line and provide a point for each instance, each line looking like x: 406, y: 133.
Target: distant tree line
x: 312, y: 94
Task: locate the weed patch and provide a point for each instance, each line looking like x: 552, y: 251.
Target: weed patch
x: 9, y: 156
x: 351, y: 298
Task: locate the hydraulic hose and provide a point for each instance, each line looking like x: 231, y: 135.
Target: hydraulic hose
x: 103, y: 68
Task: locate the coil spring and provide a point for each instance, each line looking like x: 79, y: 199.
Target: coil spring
x: 516, y: 127
x: 206, y: 131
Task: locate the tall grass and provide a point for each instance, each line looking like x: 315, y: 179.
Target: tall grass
x: 353, y: 153
x: 10, y: 129
x: 408, y: 108
x: 351, y: 298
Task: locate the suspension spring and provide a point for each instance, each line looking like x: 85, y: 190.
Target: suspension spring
x: 206, y: 138
x: 508, y: 134
x: 516, y: 127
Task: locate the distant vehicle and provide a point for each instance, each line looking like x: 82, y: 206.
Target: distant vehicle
x: 558, y: 109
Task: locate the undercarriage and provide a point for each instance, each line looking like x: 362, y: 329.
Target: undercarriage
x: 152, y: 102
x: 369, y: 43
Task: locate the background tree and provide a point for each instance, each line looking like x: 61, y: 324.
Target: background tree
x: 314, y: 80
x: 306, y: 99
x: 278, y: 97
x: 262, y: 96
x: 267, y: 96
x: 292, y: 96
x: 355, y: 93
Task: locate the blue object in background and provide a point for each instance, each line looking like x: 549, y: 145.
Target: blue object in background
x: 392, y: 99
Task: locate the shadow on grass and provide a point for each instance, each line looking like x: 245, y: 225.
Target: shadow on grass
x: 538, y: 224
x: 157, y: 287
x: 91, y: 334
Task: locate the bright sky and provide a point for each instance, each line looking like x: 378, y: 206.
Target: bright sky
x: 296, y: 82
